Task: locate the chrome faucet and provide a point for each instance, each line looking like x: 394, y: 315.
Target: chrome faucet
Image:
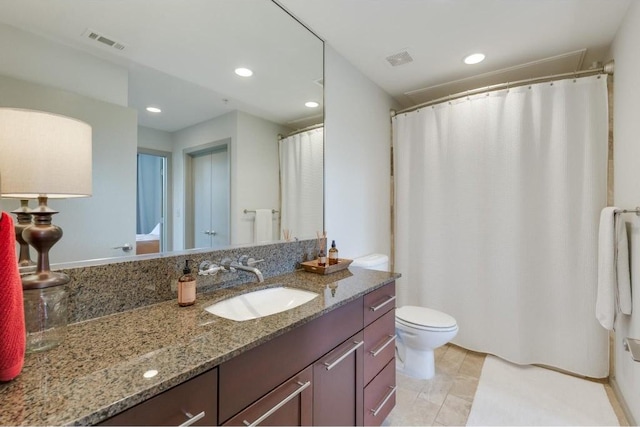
x: 244, y: 263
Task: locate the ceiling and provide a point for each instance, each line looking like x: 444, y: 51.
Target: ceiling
x: 180, y: 55
x: 520, y: 38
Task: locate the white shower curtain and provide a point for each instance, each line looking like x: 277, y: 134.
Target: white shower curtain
x: 498, y: 198
x: 302, y: 183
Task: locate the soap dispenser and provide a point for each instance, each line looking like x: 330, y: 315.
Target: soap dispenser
x: 333, y: 253
x: 186, y: 287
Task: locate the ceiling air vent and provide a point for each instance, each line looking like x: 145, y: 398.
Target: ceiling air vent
x: 101, y: 38
x: 399, y: 58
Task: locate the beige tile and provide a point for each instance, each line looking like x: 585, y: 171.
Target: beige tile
x: 454, y: 411
x: 451, y: 361
x: 617, y: 408
x: 405, y: 398
x: 421, y: 413
x: 464, y: 387
x: 436, y: 389
x: 409, y: 383
x: 472, y: 364
x: 440, y: 351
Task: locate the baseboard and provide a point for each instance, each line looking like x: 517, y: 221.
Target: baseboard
x: 622, y: 401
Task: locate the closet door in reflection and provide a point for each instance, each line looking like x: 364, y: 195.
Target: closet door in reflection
x: 211, y: 198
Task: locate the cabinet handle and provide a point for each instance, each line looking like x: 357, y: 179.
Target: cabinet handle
x: 391, y: 339
x: 357, y: 345
x: 192, y: 419
x: 379, y: 306
x: 279, y: 405
x: 374, y: 412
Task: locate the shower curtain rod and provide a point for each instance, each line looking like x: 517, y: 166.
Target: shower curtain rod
x: 295, y: 132
x: 607, y: 69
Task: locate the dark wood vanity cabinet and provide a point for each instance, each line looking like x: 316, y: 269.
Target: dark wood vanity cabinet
x: 194, y: 402
x: 379, y: 354
x: 338, y: 369
x: 290, y: 404
x: 338, y: 386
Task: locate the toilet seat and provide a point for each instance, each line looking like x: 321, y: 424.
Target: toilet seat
x: 425, y: 319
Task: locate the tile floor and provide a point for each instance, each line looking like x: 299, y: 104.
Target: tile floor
x: 446, y: 399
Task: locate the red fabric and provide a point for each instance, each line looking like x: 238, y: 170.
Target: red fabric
x: 12, y: 329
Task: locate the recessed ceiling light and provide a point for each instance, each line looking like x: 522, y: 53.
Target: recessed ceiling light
x: 154, y: 110
x: 311, y: 104
x: 474, y: 58
x: 244, y: 72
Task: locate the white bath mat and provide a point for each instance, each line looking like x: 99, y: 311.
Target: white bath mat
x: 515, y: 395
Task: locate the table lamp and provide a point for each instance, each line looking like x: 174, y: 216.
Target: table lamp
x: 44, y: 155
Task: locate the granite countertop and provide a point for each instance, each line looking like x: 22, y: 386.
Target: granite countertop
x: 98, y: 371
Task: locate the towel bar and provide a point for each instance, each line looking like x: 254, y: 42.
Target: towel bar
x: 272, y: 211
x: 636, y: 211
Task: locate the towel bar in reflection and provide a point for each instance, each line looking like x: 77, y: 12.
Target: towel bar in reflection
x: 254, y: 211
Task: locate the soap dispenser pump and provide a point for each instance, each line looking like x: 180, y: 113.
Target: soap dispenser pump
x: 186, y: 287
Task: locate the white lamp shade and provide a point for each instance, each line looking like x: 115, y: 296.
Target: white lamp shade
x: 43, y: 154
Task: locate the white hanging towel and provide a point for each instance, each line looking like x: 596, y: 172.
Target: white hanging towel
x: 263, y: 226
x: 613, y: 268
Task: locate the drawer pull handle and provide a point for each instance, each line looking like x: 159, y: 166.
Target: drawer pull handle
x: 192, y: 419
x: 279, y: 405
x: 375, y: 412
x: 379, y: 306
x: 357, y: 345
x: 391, y: 339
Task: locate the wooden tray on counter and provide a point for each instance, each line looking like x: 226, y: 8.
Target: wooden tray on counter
x: 313, y: 267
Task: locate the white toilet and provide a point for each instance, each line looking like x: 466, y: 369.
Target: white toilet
x: 419, y: 330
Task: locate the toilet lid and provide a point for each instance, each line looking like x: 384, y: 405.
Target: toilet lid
x: 423, y: 316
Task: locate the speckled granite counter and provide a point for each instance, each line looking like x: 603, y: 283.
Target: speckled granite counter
x: 98, y: 371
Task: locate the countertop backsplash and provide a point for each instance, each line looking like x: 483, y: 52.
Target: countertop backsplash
x: 101, y: 290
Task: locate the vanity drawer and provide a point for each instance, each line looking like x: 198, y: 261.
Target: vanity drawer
x: 290, y: 404
x: 380, y: 396
x: 378, y: 302
x: 379, y: 345
x: 196, y: 398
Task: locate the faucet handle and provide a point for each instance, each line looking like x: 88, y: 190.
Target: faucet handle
x: 248, y: 261
x: 226, y: 263
x: 207, y: 268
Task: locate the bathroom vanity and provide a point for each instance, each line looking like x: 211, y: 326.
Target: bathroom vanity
x: 328, y: 361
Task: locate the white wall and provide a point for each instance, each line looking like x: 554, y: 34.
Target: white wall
x: 627, y: 189
x: 154, y: 139
x: 39, y: 60
x: 357, y: 160
x: 254, y: 169
x: 255, y: 175
x: 111, y: 209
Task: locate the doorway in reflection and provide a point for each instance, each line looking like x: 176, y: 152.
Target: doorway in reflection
x: 151, y: 202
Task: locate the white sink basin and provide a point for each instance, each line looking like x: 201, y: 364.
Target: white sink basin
x: 265, y: 302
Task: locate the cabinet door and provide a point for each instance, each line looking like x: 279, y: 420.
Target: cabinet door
x: 338, y: 385
x: 288, y: 405
x: 191, y: 403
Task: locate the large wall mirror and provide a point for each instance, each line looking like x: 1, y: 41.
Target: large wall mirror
x: 224, y: 150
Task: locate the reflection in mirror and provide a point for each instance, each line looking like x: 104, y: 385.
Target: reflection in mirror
x: 180, y: 178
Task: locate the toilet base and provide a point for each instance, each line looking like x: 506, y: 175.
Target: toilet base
x: 417, y: 364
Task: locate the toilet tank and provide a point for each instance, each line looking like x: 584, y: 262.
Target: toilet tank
x: 372, y: 262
